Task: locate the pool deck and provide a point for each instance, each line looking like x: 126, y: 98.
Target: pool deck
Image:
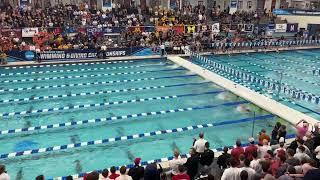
x: 260, y: 100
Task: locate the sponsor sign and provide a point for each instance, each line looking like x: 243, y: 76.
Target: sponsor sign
x: 296, y: 12
x: 216, y: 27
x: 248, y: 27
x: 95, y: 31
x: 29, y: 32
x: 281, y: 27
x: 292, y: 27
x: 111, y: 30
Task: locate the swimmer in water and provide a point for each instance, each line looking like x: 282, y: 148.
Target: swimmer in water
x: 30, y: 108
x: 32, y: 96
x: 243, y: 108
x: 174, y: 147
x: 27, y: 124
x: 120, y: 131
x: 130, y: 156
x: 78, y: 167
x: 19, y: 175
x: 74, y: 139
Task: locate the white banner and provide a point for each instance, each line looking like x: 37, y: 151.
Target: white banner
x: 29, y: 32
x: 216, y: 27
x: 281, y: 27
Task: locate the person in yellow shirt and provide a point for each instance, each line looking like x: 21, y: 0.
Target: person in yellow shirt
x: 3, y: 57
x: 59, y: 40
x: 65, y: 47
x: 60, y: 47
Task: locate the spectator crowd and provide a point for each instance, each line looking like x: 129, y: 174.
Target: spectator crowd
x: 63, y: 27
x: 269, y: 158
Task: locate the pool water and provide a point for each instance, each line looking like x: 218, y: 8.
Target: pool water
x: 298, y: 71
x: 60, y: 120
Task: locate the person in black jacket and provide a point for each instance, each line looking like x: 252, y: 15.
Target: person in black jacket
x: 207, y: 157
x: 152, y: 172
x: 224, y: 158
x: 137, y: 172
x: 192, y: 164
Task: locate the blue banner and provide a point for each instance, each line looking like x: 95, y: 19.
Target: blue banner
x: 110, y: 30
x: 95, y: 31
x: 78, y: 54
x: 296, y: 12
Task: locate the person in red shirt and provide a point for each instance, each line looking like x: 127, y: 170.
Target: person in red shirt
x: 182, y: 175
x: 276, y: 163
x: 113, y: 174
x: 237, y: 151
x: 250, y: 149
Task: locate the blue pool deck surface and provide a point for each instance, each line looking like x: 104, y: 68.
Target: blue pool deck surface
x: 297, y: 70
x: 67, y: 119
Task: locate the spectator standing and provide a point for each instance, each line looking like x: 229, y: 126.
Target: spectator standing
x: 249, y: 170
x: 237, y: 151
x: 207, y: 156
x: 281, y: 150
x: 255, y: 163
x: 40, y: 177
x: 192, y: 163
x: 92, y: 176
x: 181, y: 175
x: 3, y: 173
x: 302, y: 129
x: 224, y: 158
x: 231, y: 173
x: 291, y: 160
x: 263, y: 135
x: 175, y: 162
x: 113, y: 174
x: 301, y: 154
x: 104, y: 175
x: 137, y: 171
x: 262, y: 150
x: 199, y: 145
x: 274, y: 133
x: 282, y: 133
x: 151, y: 172
x: 250, y: 149
x: 123, y: 175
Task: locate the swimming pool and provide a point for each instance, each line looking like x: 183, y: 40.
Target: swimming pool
x: 290, y: 77
x: 64, y: 119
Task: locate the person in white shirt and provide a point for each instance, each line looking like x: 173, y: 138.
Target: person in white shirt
x: 255, y: 163
x: 281, y: 148
x: 123, y: 175
x: 199, y: 144
x: 262, y: 150
x: 175, y: 162
x: 3, y: 173
x: 251, y: 172
x: 231, y: 173
x: 301, y: 154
